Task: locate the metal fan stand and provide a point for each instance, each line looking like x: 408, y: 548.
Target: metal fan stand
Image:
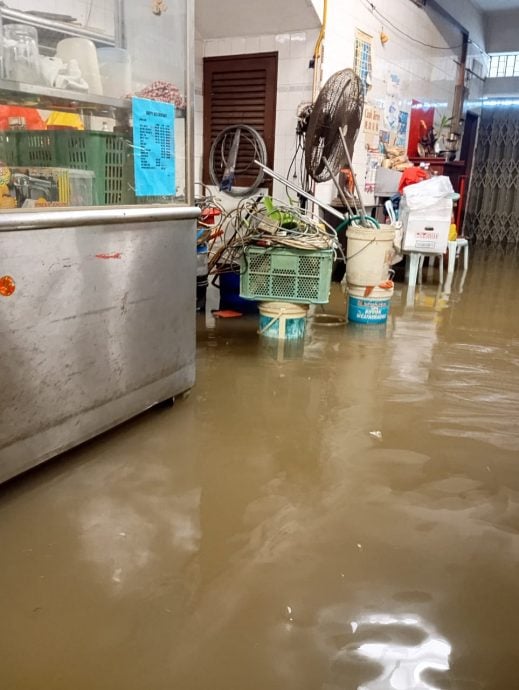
x: 359, y: 209
x: 355, y: 211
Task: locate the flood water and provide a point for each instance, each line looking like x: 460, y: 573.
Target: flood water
x: 343, y: 517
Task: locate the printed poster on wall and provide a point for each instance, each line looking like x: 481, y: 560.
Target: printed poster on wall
x: 403, y: 121
x: 374, y: 161
x: 403, y: 118
x: 372, y: 122
x: 154, y: 147
x: 391, y: 111
x: 393, y: 85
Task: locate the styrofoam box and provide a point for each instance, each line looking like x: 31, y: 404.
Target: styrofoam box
x: 426, y: 234
x: 386, y: 182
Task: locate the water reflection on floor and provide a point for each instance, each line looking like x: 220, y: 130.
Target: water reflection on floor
x: 338, y: 516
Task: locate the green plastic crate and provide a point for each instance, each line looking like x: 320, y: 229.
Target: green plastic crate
x: 105, y: 153
x: 9, y: 148
x: 287, y: 275
x: 37, y: 148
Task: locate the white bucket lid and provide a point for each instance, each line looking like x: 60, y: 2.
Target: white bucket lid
x: 288, y: 309
x: 385, y: 233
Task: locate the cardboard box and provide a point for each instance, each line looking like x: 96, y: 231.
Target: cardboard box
x: 428, y: 234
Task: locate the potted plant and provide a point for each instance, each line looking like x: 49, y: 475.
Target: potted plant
x: 443, y: 141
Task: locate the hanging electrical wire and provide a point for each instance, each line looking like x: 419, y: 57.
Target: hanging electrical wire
x: 267, y: 223
x: 371, y: 7
x: 297, y: 169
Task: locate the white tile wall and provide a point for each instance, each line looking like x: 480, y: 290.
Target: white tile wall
x: 294, y: 85
x: 199, y: 108
x: 425, y: 74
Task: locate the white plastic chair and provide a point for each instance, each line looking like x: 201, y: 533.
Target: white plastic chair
x: 455, y: 249
x: 390, y: 211
x: 415, y: 264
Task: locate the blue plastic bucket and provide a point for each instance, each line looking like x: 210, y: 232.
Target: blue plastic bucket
x: 371, y: 309
x: 229, y: 286
x: 282, y: 320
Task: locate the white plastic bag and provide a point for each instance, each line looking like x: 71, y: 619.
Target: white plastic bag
x: 429, y: 193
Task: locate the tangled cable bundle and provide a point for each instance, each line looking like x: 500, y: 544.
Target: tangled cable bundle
x: 267, y: 223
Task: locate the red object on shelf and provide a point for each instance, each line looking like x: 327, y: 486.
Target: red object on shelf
x: 419, y: 113
x: 31, y: 116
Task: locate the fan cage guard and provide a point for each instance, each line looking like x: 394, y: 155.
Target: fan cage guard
x: 339, y: 105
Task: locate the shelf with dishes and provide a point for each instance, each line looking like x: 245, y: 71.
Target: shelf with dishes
x: 66, y: 134
x: 47, y: 98
x: 80, y: 70
x: 52, y: 27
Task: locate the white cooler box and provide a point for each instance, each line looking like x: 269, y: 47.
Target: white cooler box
x: 426, y: 220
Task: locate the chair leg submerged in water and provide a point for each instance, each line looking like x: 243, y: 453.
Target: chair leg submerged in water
x: 455, y: 248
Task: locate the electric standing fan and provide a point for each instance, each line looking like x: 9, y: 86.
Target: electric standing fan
x: 332, y: 130
x: 330, y: 134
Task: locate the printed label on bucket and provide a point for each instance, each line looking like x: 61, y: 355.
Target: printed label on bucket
x: 368, y: 310
x: 282, y: 327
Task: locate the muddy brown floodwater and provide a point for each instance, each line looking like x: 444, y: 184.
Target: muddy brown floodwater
x: 344, y: 517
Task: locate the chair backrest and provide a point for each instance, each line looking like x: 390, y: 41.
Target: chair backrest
x: 390, y: 211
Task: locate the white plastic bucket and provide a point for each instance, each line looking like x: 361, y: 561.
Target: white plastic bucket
x: 368, y: 306
x: 369, y: 254
x: 282, y: 320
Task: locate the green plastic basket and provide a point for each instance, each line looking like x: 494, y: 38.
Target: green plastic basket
x: 287, y: 275
x: 9, y: 148
x: 105, y: 153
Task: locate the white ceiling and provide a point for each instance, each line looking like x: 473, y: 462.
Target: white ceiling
x: 495, y: 5
x: 222, y: 18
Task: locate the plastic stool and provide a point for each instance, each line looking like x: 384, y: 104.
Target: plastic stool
x: 415, y: 264
x: 455, y: 248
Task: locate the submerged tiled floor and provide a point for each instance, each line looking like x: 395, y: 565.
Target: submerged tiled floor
x: 260, y: 535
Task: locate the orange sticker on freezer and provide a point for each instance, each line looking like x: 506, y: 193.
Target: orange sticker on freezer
x: 7, y: 286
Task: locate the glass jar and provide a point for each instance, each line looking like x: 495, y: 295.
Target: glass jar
x: 21, y: 53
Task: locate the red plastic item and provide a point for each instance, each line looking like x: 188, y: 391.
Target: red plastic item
x: 31, y: 116
x: 411, y: 176
x: 227, y: 314
x: 209, y: 214
x: 419, y: 113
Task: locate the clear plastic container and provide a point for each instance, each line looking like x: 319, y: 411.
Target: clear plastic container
x: 116, y: 73
x: 21, y: 54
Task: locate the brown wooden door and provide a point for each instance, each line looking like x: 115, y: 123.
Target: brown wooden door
x: 240, y: 89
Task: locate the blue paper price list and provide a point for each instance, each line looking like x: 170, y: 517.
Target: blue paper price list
x: 154, y: 142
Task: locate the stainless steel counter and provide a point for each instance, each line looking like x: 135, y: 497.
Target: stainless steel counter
x: 100, y: 326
